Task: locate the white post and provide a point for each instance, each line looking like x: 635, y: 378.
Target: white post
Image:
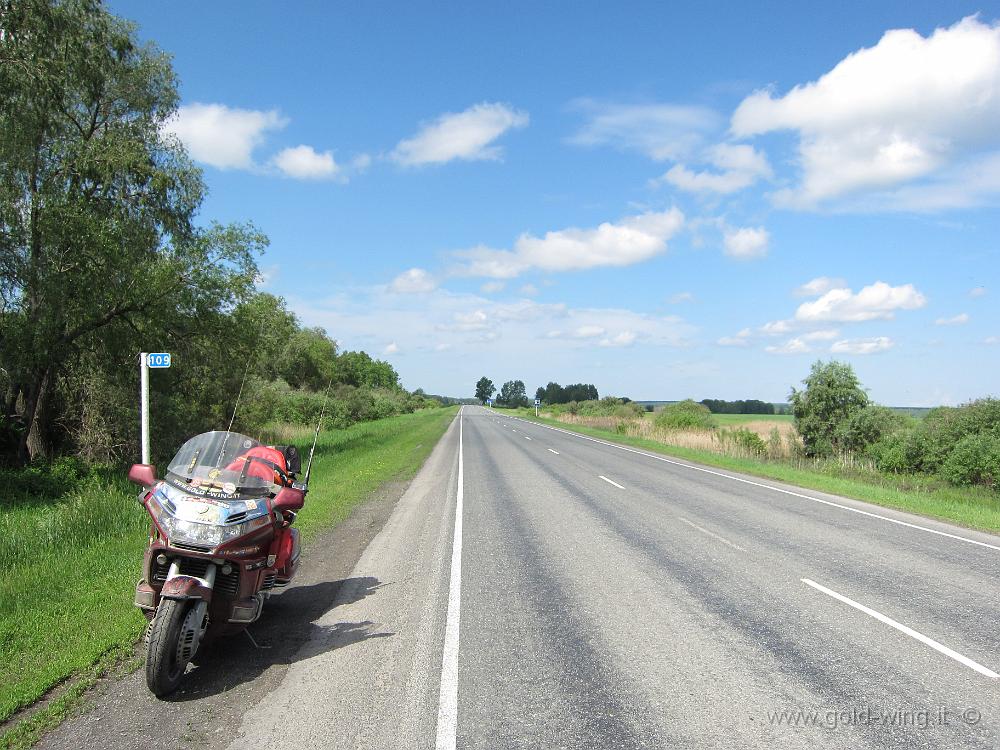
x: 144, y: 405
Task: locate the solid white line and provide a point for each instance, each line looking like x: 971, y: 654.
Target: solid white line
x: 714, y: 536
x: 552, y: 451
x: 601, y: 476
x: 770, y: 487
x: 527, y: 438
x: 447, y: 724
x: 903, y: 629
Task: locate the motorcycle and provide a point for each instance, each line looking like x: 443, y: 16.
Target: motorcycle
x: 220, y: 542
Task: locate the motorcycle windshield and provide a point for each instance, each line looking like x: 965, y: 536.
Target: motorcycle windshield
x: 215, y: 463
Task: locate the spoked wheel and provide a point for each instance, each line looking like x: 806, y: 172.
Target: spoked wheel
x: 172, y: 636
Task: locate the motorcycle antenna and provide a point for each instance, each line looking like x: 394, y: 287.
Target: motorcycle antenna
x: 312, y: 451
x: 236, y: 406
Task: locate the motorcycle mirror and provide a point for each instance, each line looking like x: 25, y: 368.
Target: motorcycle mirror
x: 142, y: 474
x: 289, y: 498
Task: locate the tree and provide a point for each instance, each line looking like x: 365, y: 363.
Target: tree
x: 97, y: 239
x: 512, y: 393
x: 831, y: 399
x: 485, y: 389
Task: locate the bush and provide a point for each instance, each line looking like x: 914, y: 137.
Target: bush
x: 685, y: 415
x: 867, y: 426
x: 744, y: 441
x: 974, y: 460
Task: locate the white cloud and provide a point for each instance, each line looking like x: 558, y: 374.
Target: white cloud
x: 305, y: 163
x: 529, y: 290
x: 632, y: 240
x: 746, y: 243
x: 413, y: 281
x: 792, y: 346
x: 876, y: 301
x: 680, y: 297
x: 476, y: 320
x: 741, y: 166
x: 467, y: 135
x: 890, y: 114
x: 979, y: 291
x: 492, y: 287
x: 443, y: 347
x: 740, y: 339
x: 862, y: 346
x: 991, y: 340
x: 660, y: 131
x: 818, y: 286
x: 777, y: 327
x: 220, y: 136
x: 955, y: 320
x: 588, y: 332
x: 625, y: 338
x: 824, y: 334
x: 391, y: 348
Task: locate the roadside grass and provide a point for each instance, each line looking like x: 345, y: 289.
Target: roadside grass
x: 69, y: 562
x: 970, y: 507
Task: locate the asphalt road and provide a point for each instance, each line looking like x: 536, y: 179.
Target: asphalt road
x: 605, y: 598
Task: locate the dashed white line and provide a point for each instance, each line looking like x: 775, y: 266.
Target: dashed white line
x: 552, y: 451
x: 447, y: 724
x: 903, y: 629
x: 711, y: 534
x: 773, y: 488
x: 601, y: 476
x: 527, y: 438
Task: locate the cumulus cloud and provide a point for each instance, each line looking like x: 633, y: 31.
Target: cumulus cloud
x: 863, y: 346
x: 955, y: 320
x: 221, y: 136
x: 492, y: 287
x: 391, y: 348
x: 890, y: 114
x: 978, y: 291
x: 529, y: 290
x: 746, y: 243
x: 413, y: 281
x: 467, y: 135
x: 876, y: 301
x: 588, y: 332
x: 625, y: 338
x: 739, y: 166
x: 631, y: 240
x: 818, y: 286
x: 824, y: 334
x: 792, y: 346
x: 777, y: 327
x: 740, y: 339
x: 660, y: 131
x: 305, y: 163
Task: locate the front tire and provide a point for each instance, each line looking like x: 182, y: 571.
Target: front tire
x: 164, y: 669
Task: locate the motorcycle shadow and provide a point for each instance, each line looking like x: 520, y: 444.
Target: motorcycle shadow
x: 285, y: 633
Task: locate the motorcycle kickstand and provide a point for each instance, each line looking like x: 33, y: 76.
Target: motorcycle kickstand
x: 254, y: 642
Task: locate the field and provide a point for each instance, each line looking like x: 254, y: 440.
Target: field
x: 71, y: 558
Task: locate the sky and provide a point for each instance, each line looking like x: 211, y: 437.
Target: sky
x: 667, y: 200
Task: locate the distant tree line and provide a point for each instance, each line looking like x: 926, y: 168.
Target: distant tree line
x: 554, y: 393
x: 749, y: 406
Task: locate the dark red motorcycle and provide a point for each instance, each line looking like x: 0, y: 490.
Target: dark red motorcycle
x: 221, y: 541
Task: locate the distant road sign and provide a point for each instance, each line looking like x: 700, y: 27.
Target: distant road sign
x: 158, y: 359
x: 538, y: 402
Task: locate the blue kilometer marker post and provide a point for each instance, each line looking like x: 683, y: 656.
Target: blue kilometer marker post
x: 158, y: 361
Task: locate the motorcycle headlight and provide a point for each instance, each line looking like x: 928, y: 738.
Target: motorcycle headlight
x: 202, y: 534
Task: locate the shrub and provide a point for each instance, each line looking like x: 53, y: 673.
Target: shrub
x: 866, y: 426
x: 974, y: 460
x: 744, y: 441
x: 833, y: 395
x: 685, y: 415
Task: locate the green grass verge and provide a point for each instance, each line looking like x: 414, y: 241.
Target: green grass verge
x: 70, y: 563
x: 971, y: 507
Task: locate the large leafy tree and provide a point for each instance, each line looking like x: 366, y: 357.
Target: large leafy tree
x: 512, y: 393
x: 833, y: 398
x: 98, y: 245
x: 485, y: 389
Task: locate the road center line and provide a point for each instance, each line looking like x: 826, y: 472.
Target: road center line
x: 903, y: 629
x: 711, y: 534
x: 527, y: 438
x: 770, y: 487
x: 552, y: 451
x: 447, y: 724
x: 610, y: 482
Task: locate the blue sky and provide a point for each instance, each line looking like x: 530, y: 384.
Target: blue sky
x: 666, y: 201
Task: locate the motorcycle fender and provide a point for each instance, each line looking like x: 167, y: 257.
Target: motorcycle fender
x: 186, y: 587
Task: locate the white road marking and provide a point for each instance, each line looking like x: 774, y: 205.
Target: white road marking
x: 903, y: 629
x: 714, y: 536
x: 527, y: 438
x: 552, y: 451
x: 770, y: 487
x: 447, y: 723
x: 601, y: 476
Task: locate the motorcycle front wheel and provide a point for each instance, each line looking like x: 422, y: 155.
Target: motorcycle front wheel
x: 164, y: 668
